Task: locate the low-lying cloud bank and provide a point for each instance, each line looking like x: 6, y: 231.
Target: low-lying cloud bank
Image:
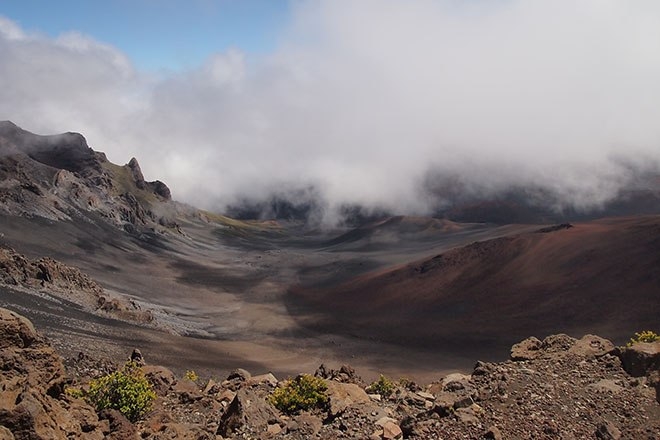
x: 383, y: 104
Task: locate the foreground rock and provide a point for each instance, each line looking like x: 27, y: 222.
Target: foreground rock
x: 562, y: 388
x: 559, y: 387
x: 643, y: 360
x: 567, y: 388
x: 32, y: 379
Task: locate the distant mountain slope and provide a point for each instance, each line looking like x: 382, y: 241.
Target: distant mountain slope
x: 517, y: 207
x: 603, y: 276
x: 57, y: 177
x: 392, y: 231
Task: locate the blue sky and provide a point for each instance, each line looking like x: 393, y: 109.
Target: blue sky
x: 159, y: 34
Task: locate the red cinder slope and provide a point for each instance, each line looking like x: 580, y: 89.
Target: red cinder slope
x: 602, y: 276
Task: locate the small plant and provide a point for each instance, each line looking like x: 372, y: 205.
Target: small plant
x: 645, y: 336
x: 126, y: 390
x: 305, y: 392
x: 192, y: 376
x: 74, y: 392
x: 383, y: 386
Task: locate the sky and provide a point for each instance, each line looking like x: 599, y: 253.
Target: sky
x: 371, y: 102
x: 158, y: 35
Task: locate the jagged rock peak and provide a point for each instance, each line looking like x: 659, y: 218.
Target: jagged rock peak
x: 157, y: 187
x: 136, y: 173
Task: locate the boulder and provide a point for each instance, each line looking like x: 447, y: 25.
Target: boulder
x: 261, y: 379
x: 345, y: 374
x: 469, y: 414
x: 426, y: 396
x: 591, y: 346
x: 136, y: 356
x: 409, y: 398
x: 5, y: 434
x: 531, y: 348
x: 604, y: 386
x: 392, y: 431
x: 390, y: 428
x: 608, y: 431
x: 212, y: 387
x: 187, y: 390
x: 236, y: 379
x: 456, y: 382
x: 162, y: 379
x: 225, y: 396
x: 557, y: 343
x: 274, y: 429
x: 120, y: 427
x: 15, y: 330
x: 247, y: 410
x: 343, y: 395
x: 239, y: 373
x: 444, y: 404
x: 641, y: 358
x: 305, y: 425
x: 32, y: 380
x: 654, y: 381
x: 526, y: 350
x: 493, y: 433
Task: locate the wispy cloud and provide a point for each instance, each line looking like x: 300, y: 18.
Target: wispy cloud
x: 365, y: 100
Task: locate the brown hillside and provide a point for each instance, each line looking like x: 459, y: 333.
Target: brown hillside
x: 602, y: 276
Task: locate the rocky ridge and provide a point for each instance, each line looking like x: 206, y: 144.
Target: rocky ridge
x: 59, y: 177
x: 51, y: 278
x: 559, y: 387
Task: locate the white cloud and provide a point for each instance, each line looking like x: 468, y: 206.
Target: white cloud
x: 10, y: 30
x: 362, y: 98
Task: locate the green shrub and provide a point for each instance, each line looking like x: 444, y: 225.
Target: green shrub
x: 126, y: 390
x: 645, y: 336
x: 382, y: 386
x: 305, y: 392
x: 192, y: 376
x: 74, y: 392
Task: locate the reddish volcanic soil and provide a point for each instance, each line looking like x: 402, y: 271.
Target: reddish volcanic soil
x: 602, y: 277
